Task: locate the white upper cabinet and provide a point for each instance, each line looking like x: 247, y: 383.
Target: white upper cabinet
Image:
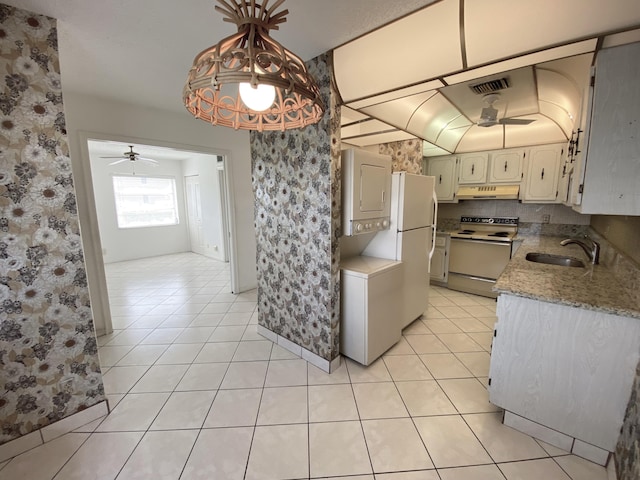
x: 444, y: 170
x: 607, y: 180
x: 473, y: 168
x: 506, y: 166
x: 541, y: 179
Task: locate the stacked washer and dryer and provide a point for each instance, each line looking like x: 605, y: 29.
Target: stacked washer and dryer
x: 385, y: 286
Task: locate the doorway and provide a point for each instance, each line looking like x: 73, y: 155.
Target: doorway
x: 159, y: 151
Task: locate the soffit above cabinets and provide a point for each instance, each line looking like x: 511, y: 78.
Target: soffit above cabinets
x: 361, y: 131
x: 496, y: 29
x: 550, y: 94
x: 348, y: 116
x: 411, y: 50
x: 377, y: 139
x: 548, y: 65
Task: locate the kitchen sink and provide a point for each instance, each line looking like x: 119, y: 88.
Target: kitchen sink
x: 550, y: 259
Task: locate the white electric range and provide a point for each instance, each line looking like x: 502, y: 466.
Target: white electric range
x: 479, y: 251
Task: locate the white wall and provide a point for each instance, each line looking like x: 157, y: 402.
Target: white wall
x: 206, y: 167
x: 92, y: 117
x: 119, y: 244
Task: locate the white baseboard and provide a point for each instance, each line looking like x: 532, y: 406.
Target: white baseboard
x: 68, y: 424
x: 322, y: 363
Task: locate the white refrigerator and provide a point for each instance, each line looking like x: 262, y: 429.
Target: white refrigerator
x: 410, y: 239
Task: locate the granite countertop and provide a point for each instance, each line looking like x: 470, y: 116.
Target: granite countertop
x: 593, y: 287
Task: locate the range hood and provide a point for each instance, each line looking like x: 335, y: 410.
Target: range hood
x: 488, y: 192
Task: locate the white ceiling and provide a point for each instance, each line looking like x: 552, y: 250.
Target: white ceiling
x: 107, y: 148
x: 139, y: 51
x: 433, y: 50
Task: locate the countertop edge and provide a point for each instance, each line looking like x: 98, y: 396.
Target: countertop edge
x: 593, y: 287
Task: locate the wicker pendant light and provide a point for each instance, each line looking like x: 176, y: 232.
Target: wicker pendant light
x: 263, y: 67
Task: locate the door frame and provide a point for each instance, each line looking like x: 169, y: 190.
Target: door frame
x: 94, y: 262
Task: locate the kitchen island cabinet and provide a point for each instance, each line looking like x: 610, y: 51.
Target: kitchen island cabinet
x: 564, y: 368
x: 566, y: 346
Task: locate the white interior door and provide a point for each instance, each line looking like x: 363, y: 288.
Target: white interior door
x: 224, y: 224
x: 194, y: 214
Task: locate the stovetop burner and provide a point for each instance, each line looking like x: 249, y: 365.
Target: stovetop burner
x: 495, y: 229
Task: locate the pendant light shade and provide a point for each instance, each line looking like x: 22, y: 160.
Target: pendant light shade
x: 248, y: 80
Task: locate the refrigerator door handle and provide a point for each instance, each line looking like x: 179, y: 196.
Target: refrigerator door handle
x: 433, y: 226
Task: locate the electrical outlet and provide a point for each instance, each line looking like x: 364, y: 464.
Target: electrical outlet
x: 546, y: 218
x: 67, y: 385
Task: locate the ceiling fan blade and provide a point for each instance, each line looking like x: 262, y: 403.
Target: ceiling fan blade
x: 144, y: 159
x: 515, y: 121
x: 118, y: 161
x: 120, y: 156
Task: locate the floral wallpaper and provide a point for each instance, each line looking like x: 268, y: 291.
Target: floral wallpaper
x: 628, y: 448
x: 406, y: 155
x: 49, y: 366
x: 296, y: 182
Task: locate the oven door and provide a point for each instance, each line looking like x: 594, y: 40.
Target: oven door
x: 479, y: 258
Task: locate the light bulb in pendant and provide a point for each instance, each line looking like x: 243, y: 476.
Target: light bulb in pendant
x: 257, y: 98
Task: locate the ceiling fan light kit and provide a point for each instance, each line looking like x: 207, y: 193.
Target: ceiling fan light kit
x: 132, y: 156
x: 251, y: 61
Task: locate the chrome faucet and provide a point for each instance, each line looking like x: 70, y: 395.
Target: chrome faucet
x: 592, y: 251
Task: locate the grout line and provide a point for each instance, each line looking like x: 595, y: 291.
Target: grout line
x: 196, y: 289
x: 355, y: 401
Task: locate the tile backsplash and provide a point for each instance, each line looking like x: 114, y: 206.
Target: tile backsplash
x: 526, y: 212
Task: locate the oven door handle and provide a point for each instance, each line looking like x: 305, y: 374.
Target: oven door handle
x: 433, y: 224
x: 472, y: 240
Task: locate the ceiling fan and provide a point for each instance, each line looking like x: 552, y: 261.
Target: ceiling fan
x: 132, y: 156
x: 489, y: 114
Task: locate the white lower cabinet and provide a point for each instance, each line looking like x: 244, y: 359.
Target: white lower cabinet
x: 564, y: 370
x: 439, y: 271
x: 371, y: 299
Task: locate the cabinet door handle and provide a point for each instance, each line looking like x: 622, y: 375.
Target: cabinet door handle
x: 505, y: 165
x: 440, y: 180
x: 542, y: 175
x: 473, y: 167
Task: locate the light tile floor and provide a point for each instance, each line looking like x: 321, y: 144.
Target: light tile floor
x: 196, y: 393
